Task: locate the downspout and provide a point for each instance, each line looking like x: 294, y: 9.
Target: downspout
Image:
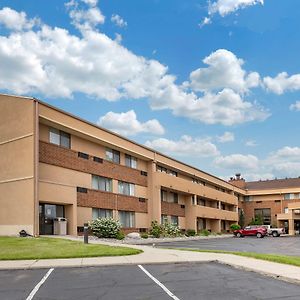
x: 36, y: 169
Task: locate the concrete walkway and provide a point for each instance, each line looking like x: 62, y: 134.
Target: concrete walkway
x: 152, y: 255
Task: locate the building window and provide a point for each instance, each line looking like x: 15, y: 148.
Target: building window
x: 102, y: 213
x: 130, y: 161
x: 201, y: 224
x: 126, y: 188
x: 223, y: 207
x: 113, y: 155
x: 201, y: 201
x: 264, y: 214
x: 174, y: 220
x: 289, y: 196
x: 127, y: 219
x: 163, y: 195
x: 60, y: 138
x: 248, y: 198
x: 173, y: 173
x: 173, y: 197
x: 164, y: 219
x: 286, y: 210
x: 101, y: 183
x: 162, y: 169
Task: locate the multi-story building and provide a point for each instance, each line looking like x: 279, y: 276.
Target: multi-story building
x: 54, y: 164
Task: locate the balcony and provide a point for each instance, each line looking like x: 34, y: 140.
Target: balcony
x: 214, y: 213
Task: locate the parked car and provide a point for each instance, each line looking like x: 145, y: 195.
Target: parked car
x: 276, y: 232
x: 257, y: 231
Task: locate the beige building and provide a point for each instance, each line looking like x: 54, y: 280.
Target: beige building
x: 54, y: 165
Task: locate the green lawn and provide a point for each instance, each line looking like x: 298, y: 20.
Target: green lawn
x: 283, y: 259
x: 15, y: 248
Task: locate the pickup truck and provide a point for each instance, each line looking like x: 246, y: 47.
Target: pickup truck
x: 276, y: 232
x: 257, y: 231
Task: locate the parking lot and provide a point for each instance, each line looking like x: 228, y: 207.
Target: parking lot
x: 285, y: 245
x: 166, y: 281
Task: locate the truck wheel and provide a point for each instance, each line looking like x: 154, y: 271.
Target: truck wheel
x: 259, y: 235
x: 238, y: 235
x: 275, y: 234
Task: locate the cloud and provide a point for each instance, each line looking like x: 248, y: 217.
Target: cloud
x: 225, y: 7
x: 237, y: 162
x: 185, y: 146
x: 282, y: 82
x: 251, y: 143
x: 14, y: 20
x: 295, y: 106
x: 127, y: 124
x: 226, y: 137
x: 224, y: 71
x: 117, y: 20
x: 53, y: 62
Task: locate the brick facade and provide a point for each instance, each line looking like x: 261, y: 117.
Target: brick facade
x: 107, y: 200
x: 67, y: 158
x: 172, y: 209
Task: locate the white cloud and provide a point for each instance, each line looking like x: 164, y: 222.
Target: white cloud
x: 185, y: 146
x: 251, y: 143
x: 282, y: 82
x: 224, y: 71
x: 225, y: 7
x: 53, y: 62
x: 127, y: 124
x: 226, y: 137
x: 295, y: 106
x: 205, y: 21
x: 14, y: 20
x: 237, y: 162
x: 117, y: 20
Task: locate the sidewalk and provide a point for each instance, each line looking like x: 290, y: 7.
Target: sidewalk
x: 153, y: 255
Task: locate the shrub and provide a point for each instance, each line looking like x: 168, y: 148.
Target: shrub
x: 144, y: 235
x: 257, y: 221
x: 120, y: 235
x: 190, y: 232
x: 169, y: 229
x: 155, y: 229
x: 204, y: 232
x: 235, y: 227
x: 105, y: 227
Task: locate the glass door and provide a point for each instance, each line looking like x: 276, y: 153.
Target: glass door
x: 47, y: 214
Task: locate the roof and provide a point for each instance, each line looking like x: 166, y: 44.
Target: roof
x: 273, y: 184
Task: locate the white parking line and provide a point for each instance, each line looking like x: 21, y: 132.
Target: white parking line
x: 36, y: 288
x: 158, y: 283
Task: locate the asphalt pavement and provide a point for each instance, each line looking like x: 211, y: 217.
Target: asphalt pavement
x: 163, y: 281
x: 285, y: 245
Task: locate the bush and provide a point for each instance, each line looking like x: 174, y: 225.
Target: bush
x: 105, y: 227
x: 169, y: 229
x: 234, y: 227
x: 120, y: 235
x: 190, y: 232
x: 144, y: 235
x: 155, y: 229
x: 204, y: 232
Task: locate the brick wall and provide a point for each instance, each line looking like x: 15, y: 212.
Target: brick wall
x: 106, y: 200
x: 172, y: 209
x: 67, y: 158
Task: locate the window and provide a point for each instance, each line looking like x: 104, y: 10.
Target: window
x: 60, y: 138
x: 289, y: 196
x: 101, y: 183
x: 98, y: 159
x: 163, y: 195
x: 113, y: 155
x: 286, y: 210
x: 173, y: 197
x: 248, y: 198
x: 83, y: 155
x: 102, y: 213
x: 201, y: 201
x: 223, y: 207
x: 126, y: 188
x: 174, y: 220
x: 173, y: 173
x: 130, y: 161
x: 127, y: 219
x: 162, y: 169
x: 81, y: 190
x: 164, y: 219
x: 265, y: 214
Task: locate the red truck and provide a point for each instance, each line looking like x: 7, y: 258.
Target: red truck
x: 259, y: 231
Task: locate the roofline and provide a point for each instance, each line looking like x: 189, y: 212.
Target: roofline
x: 117, y: 135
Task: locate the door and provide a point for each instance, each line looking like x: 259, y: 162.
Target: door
x: 47, y: 214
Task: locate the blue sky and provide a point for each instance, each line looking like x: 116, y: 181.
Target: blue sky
x: 216, y: 85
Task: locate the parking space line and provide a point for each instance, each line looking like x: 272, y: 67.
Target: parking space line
x: 36, y: 288
x: 158, y: 283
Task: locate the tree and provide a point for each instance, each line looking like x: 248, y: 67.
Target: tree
x: 242, y: 218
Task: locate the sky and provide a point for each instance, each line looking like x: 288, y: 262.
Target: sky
x: 215, y: 84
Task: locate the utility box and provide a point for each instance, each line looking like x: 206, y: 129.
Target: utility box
x: 60, y: 226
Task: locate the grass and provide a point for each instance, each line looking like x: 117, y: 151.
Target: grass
x: 283, y: 259
x: 15, y: 248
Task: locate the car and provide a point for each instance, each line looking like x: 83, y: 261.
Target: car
x: 275, y: 232
x: 257, y: 231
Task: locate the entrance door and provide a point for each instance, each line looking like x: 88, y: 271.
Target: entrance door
x: 47, y: 214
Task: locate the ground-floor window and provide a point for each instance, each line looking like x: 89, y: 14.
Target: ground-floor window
x: 102, y: 213
x: 201, y: 224
x: 164, y: 219
x: 223, y: 224
x: 127, y: 219
x: 174, y: 220
x: 264, y: 214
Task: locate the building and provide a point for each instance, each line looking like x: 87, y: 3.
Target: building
x: 276, y: 201
x: 54, y: 164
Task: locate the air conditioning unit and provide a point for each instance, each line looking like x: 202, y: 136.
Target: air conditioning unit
x: 297, y: 211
